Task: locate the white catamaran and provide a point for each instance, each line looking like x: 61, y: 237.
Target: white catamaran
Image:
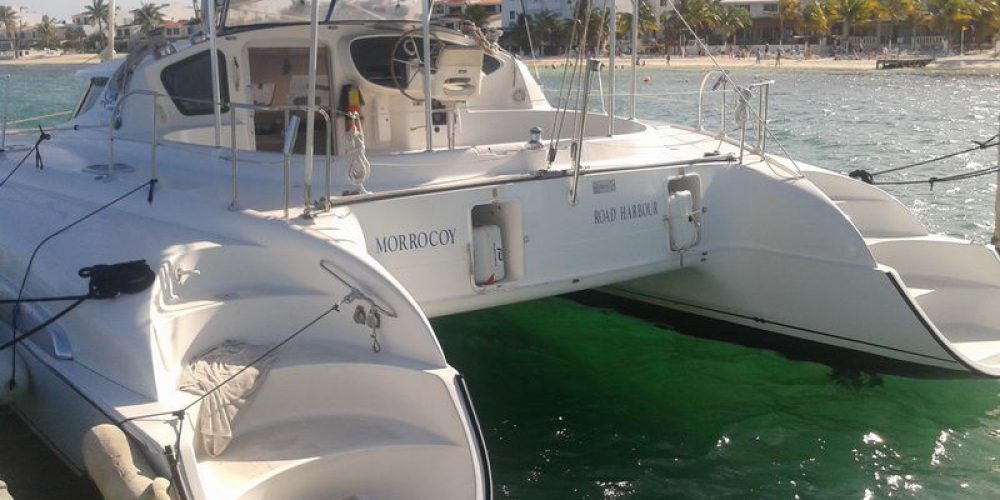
x: 307, y: 181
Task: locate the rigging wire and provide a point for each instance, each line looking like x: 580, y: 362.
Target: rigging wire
x: 715, y: 63
x: 937, y: 180
x: 562, y: 102
x: 531, y: 47
x: 869, y: 177
x: 31, y: 260
x: 42, y: 137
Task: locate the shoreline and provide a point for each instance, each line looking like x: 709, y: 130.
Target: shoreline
x: 65, y: 59
x: 958, y: 64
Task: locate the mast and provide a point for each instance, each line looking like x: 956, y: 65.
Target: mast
x: 213, y: 57
x: 996, y: 198
x: 428, y: 122
x: 310, y: 113
x: 635, y: 51
x: 612, y: 45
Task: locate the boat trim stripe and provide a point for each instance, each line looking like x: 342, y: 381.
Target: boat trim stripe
x: 784, y: 325
x: 484, y: 457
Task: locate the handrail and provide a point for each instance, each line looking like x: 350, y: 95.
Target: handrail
x: 742, y: 97
x: 114, y: 123
x: 592, y: 67
x: 37, y: 118
x: 6, y: 103
x: 701, y: 99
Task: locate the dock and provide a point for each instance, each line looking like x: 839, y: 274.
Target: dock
x: 905, y: 62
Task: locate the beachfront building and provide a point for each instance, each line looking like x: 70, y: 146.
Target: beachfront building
x: 766, y: 25
x: 451, y: 13
x: 180, y: 30
x: 512, y: 10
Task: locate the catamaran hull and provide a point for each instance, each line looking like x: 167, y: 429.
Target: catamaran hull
x: 831, y: 260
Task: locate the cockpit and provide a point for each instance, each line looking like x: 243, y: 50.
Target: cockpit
x: 370, y: 77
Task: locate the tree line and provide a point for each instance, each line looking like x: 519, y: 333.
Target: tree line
x: 147, y: 17
x: 716, y: 23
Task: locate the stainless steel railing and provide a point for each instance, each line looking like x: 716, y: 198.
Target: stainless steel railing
x: 115, y: 123
x: 743, y: 105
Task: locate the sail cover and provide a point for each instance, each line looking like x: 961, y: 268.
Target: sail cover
x: 254, y: 12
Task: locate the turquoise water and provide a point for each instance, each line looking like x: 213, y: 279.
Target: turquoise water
x: 582, y: 402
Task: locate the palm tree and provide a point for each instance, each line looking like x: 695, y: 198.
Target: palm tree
x: 849, y: 12
x: 733, y: 20
x: 148, y: 17
x: 916, y: 18
x: 952, y: 13
x: 548, y: 23
x: 48, y: 36
x: 476, y: 13
x: 897, y: 11
x: 989, y: 18
x: 75, y: 37
x: 788, y: 10
x: 97, y: 13
x: 815, y: 20
x: 8, y: 21
x: 647, y: 21
x: 702, y: 15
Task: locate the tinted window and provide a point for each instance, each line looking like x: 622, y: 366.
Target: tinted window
x: 189, y: 83
x: 490, y: 64
x: 373, y: 55
x: 92, y: 94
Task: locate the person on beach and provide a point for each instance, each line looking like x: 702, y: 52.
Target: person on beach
x: 777, y: 58
x: 757, y: 51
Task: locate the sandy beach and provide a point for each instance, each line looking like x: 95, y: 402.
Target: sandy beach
x: 966, y: 62
x: 53, y: 60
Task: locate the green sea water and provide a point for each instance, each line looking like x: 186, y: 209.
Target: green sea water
x: 588, y: 402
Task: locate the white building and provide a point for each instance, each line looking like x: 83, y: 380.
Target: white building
x: 511, y: 10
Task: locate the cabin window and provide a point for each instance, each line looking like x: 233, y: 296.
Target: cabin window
x: 189, y: 84
x: 91, y: 95
x: 372, y: 57
x: 490, y: 64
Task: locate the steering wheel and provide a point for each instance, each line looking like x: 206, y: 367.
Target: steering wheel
x: 408, y: 51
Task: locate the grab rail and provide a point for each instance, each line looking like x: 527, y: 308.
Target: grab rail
x: 762, y: 87
x: 115, y: 123
x: 6, y: 105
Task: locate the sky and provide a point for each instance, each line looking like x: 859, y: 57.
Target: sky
x: 63, y: 9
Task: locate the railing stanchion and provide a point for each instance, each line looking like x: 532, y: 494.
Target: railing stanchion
x: 577, y: 157
x: 111, y: 140
x: 722, y: 113
x: 6, y: 106
x: 330, y: 130
x: 233, y: 158
x: 154, y: 139
x: 763, y: 126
